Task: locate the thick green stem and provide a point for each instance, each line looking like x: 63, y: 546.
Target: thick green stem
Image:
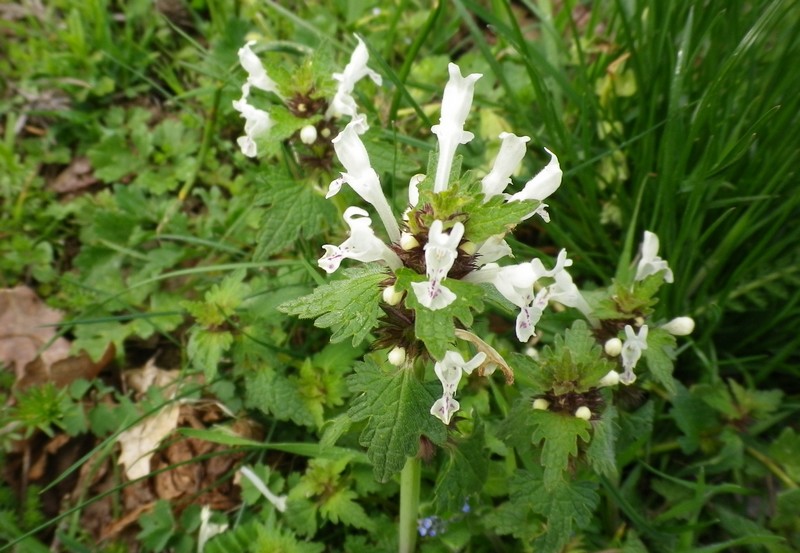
x: 409, y: 504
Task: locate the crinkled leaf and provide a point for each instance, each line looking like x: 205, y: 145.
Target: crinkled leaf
x: 295, y: 211
x: 567, y: 506
x: 206, y: 348
x: 341, y: 506
x: 601, y: 453
x: 396, y: 406
x: 510, y: 519
x: 464, y: 472
x: 560, y: 434
x: 277, y: 395
x: 497, y: 216
x: 349, y: 307
x: 659, y: 355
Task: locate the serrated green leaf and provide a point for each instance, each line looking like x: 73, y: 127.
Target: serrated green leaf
x: 437, y: 328
x: 396, y: 407
x: 295, y: 211
x: 509, y: 518
x: 464, y: 472
x: 659, y: 355
x: 206, y: 348
x: 786, y: 451
x: 497, y: 216
x: 341, y: 506
x: 601, y: 454
x: 574, y: 363
x: 560, y: 434
x: 277, y: 395
x: 350, y: 306
x: 566, y: 506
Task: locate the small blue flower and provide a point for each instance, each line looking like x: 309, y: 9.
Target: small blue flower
x: 466, y: 508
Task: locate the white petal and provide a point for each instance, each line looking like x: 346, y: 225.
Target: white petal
x: 456, y: 103
x: 362, y: 245
x: 279, y: 501
x: 257, y: 75
x: 494, y: 248
x: 362, y: 177
x: 444, y: 408
x: 433, y: 295
x: 508, y: 159
x: 650, y: 263
x: 343, y: 102
x: 257, y: 123
x: 541, y: 187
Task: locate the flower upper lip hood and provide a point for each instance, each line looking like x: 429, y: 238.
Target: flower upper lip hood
x: 650, y: 263
x: 456, y: 103
x: 343, y: 102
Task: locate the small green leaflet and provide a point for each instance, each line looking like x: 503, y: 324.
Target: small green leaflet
x: 560, y: 434
x: 497, y: 216
x: 275, y: 394
x: 295, y: 210
x: 396, y: 406
x: 349, y: 307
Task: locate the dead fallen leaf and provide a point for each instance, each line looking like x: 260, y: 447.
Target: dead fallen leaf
x: 23, y: 333
x: 77, y: 176
x: 139, y: 442
x: 64, y: 371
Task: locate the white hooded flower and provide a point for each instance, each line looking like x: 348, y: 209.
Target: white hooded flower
x: 256, y: 74
x: 343, y: 102
x: 449, y: 371
x: 565, y: 292
x: 650, y: 263
x: 512, y: 150
x: 456, y: 103
x: 208, y: 529
x: 541, y: 187
x: 362, y: 245
x: 492, y: 249
x: 257, y: 122
x: 530, y: 314
x: 360, y: 175
x: 632, y: 352
x: 441, y: 252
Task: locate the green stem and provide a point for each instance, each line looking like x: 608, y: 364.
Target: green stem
x: 409, y: 504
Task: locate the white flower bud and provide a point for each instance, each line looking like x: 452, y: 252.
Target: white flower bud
x: 408, y: 242
x: 397, y: 356
x: 611, y: 379
x: 613, y: 347
x: 308, y: 134
x: 392, y: 295
x: 532, y: 352
x: 468, y: 248
x: 541, y: 404
x: 680, y: 326
x: 583, y: 412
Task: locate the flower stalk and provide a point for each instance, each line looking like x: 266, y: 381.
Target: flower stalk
x: 409, y: 504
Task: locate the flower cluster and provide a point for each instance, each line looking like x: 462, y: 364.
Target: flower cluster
x: 437, y: 244
x: 304, y: 104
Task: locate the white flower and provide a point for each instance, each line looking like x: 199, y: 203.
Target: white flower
x: 362, y: 245
x: 279, y: 501
x: 444, y: 407
x: 494, y: 248
x: 680, y: 326
x: 456, y: 103
x: 343, y: 102
x: 512, y: 150
x: 529, y: 316
x: 441, y: 252
x: 361, y: 176
x: 565, y: 292
x: 256, y: 74
x: 650, y: 263
x: 632, y: 352
x: 208, y: 529
x: 449, y: 371
x: 541, y: 187
x: 257, y: 122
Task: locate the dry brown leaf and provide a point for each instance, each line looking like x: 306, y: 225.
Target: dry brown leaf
x: 23, y: 330
x: 77, y: 176
x: 64, y: 371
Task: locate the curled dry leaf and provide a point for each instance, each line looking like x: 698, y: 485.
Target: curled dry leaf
x: 77, y: 176
x: 140, y: 441
x: 26, y: 328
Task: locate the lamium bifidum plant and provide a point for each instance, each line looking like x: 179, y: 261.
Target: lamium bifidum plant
x: 425, y: 279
